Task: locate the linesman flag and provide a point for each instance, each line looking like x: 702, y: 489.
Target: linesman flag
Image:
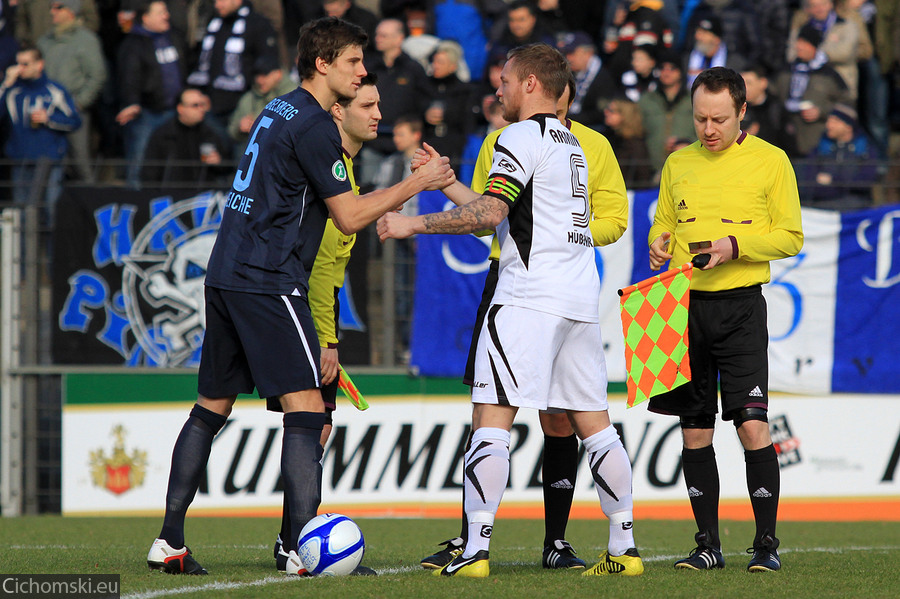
x: 345, y: 384
x: 655, y: 325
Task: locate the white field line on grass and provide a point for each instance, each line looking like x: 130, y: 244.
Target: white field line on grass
x: 220, y: 586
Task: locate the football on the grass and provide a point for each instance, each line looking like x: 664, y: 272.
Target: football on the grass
x: 331, y: 545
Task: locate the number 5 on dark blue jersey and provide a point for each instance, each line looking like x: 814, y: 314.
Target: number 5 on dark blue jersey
x: 241, y: 180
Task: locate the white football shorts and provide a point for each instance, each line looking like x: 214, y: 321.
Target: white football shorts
x: 531, y: 359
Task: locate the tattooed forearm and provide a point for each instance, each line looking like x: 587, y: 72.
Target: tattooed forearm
x: 483, y: 213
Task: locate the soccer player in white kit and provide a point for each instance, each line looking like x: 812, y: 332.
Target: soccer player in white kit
x: 541, y: 345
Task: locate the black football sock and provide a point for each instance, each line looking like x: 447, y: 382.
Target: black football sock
x: 189, y: 458
x: 558, y: 470
x: 701, y: 475
x: 764, y: 485
x: 301, y: 469
x: 285, y: 533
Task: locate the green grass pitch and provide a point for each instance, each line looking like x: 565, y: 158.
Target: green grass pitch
x: 855, y: 559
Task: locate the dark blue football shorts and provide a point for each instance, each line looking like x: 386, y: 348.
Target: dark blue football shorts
x: 258, y: 340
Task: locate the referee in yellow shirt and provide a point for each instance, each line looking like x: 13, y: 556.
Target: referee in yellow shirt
x: 734, y: 197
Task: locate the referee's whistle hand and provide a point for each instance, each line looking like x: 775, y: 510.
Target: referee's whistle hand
x: 659, y: 254
x: 721, y: 252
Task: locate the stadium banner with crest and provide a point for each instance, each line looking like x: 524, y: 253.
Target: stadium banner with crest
x: 129, y: 268
x: 831, y: 308
x: 403, y: 456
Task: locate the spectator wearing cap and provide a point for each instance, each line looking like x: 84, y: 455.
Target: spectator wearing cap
x: 151, y: 69
x: 766, y: 115
x: 32, y: 19
x: 709, y: 49
x: 738, y: 24
x: 666, y: 111
x: 594, y: 86
x: 641, y: 78
x: 810, y: 88
x: 73, y: 57
x: 636, y: 23
x: 845, y: 39
x: 269, y: 82
x: 236, y: 36
x: 844, y: 166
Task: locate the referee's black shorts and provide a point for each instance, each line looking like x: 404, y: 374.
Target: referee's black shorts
x: 258, y: 340
x: 728, y: 336
x: 490, y: 285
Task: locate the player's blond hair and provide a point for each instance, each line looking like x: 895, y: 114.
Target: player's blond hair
x: 546, y: 63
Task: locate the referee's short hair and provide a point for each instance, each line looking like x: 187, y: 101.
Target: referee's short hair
x: 326, y: 38
x: 545, y: 62
x: 717, y: 79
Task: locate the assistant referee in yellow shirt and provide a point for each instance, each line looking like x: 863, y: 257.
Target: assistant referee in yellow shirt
x: 733, y: 196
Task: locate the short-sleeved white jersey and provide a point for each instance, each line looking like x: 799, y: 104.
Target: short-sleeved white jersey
x: 546, y: 250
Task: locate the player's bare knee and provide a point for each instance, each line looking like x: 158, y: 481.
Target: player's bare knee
x: 752, y: 425
x: 586, y: 424
x: 556, y: 424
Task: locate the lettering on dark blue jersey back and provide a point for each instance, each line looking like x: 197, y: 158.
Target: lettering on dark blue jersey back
x: 239, y: 202
x: 283, y: 109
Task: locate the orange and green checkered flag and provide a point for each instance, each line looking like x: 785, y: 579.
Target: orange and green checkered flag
x: 655, y: 324
x: 345, y: 384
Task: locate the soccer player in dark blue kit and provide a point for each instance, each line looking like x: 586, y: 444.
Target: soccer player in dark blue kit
x: 259, y: 331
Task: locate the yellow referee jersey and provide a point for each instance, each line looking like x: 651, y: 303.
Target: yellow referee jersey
x: 328, y: 272
x: 748, y: 191
x: 609, y: 202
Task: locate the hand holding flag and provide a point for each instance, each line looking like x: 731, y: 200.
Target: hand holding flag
x: 346, y: 385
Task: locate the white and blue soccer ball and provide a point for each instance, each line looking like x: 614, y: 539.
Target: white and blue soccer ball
x: 331, y: 545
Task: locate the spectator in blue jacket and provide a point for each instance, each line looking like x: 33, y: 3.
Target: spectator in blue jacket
x: 844, y: 166
x: 40, y: 113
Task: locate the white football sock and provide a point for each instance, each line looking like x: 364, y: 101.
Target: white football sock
x: 611, y: 470
x: 485, y: 476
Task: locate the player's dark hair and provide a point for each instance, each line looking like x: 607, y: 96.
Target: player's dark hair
x: 717, y: 79
x: 326, y: 38
x: 546, y: 63
x: 369, y: 79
